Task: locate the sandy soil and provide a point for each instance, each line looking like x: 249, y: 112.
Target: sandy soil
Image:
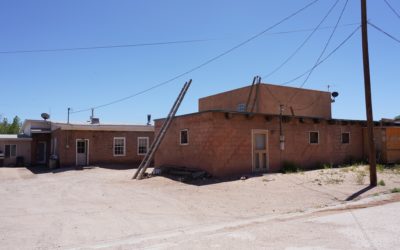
x: 103, y: 208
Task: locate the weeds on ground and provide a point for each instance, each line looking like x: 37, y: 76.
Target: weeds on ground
x: 395, y: 190
x: 396, y: 169
x: 360, y: 176
x: 331, y: 176
x: 381, y: 183
x: 380, y: 168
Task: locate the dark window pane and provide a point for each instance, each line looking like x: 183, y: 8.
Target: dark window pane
x: 184, y: 137
x: 314, y: 138
x: 345, y: 138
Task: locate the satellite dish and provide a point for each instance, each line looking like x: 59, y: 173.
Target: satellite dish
x: 45, y: 116
x: 335, y: 94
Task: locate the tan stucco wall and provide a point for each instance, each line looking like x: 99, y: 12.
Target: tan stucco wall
x: 100, y: 146
x: 303, y: 102
x: 223, y: 146
x: 23, y: 149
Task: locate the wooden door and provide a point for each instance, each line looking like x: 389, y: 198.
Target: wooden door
x: 260, y: 150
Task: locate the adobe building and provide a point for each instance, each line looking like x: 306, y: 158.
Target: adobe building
x: 76, y: 144
x: 12, y: 146
x: 248, y: 130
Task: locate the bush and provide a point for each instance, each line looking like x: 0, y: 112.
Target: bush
x: 395, y: 190
x: 290, y: 167
x: 380, y: 167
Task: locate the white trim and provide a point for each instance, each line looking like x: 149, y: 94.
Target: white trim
x: 180, y: 137
x: 309, y: 137
x: 341, y: 138
x: 259, y: 131
x: 119, y: 138
x: 147, y: 145
x: 87, y: 151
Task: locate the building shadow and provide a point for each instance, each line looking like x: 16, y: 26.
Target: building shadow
x: 43, y: 169
x: 360, y: 192
x: 209, y: 180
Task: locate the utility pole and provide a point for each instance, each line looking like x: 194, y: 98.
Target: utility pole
x: 69, y: 109
x: 368, y: 99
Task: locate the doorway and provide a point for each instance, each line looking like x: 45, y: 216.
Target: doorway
x: 41, y: 152
x: 82, y: 152
x: 260, y: 150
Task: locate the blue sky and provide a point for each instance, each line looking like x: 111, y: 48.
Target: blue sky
x: 32, y: 83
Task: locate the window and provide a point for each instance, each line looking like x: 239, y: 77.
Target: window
x: 184, y: 137
x: 314, y: 137
x: 11, y: 151
x: 346, y: 138
x: 81, y: 147
x: 143, y: 145
x: 241, y: 107
x: 119, y: 146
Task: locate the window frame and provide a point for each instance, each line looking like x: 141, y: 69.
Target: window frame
x: 241, y: 107
x: 147, y: 144
x: 309, y: 138
x: 10, y: 151
x: 124, y: 147
x: 341, y: 138
x: 187, y: 137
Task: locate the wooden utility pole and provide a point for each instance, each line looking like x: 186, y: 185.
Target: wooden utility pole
x: 368, y: 99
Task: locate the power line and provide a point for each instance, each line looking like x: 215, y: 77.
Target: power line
x: 117, y: 46
x: 390, y: 6
x: 310, y: 29
x: 324, y: 59
x: 319, y: 63
x: 384, y: 32
x: 322, y: 52
x: 103, y: 47
x: 303, y: 43
x: 206, y: 62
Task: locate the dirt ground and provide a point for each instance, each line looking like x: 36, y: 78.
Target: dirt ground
x: 104, y: 208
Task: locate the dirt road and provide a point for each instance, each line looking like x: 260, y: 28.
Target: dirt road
x: 102, y: 208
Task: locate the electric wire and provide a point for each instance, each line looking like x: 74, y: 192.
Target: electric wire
x: 390, y: 6
x: 325, y: 58
x: 151, y: 44
x: 303, y: 43
x: 315, y: 66
x: 104, y: 47
x: 321, y: 54
x: 310, y: 29
x: 384, y: 32
x: 206, y: 62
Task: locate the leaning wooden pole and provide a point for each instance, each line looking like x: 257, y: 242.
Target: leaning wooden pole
x: 368, y: 99
x: 158, y: 139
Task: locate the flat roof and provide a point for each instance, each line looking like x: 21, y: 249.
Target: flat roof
x: 394, y: 124
x: 267, y: 85
x: 103, y: 127
x: 14, y: 137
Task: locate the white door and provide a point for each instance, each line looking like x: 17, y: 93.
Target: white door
x: 260, y: 150
x: 82, y: 152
